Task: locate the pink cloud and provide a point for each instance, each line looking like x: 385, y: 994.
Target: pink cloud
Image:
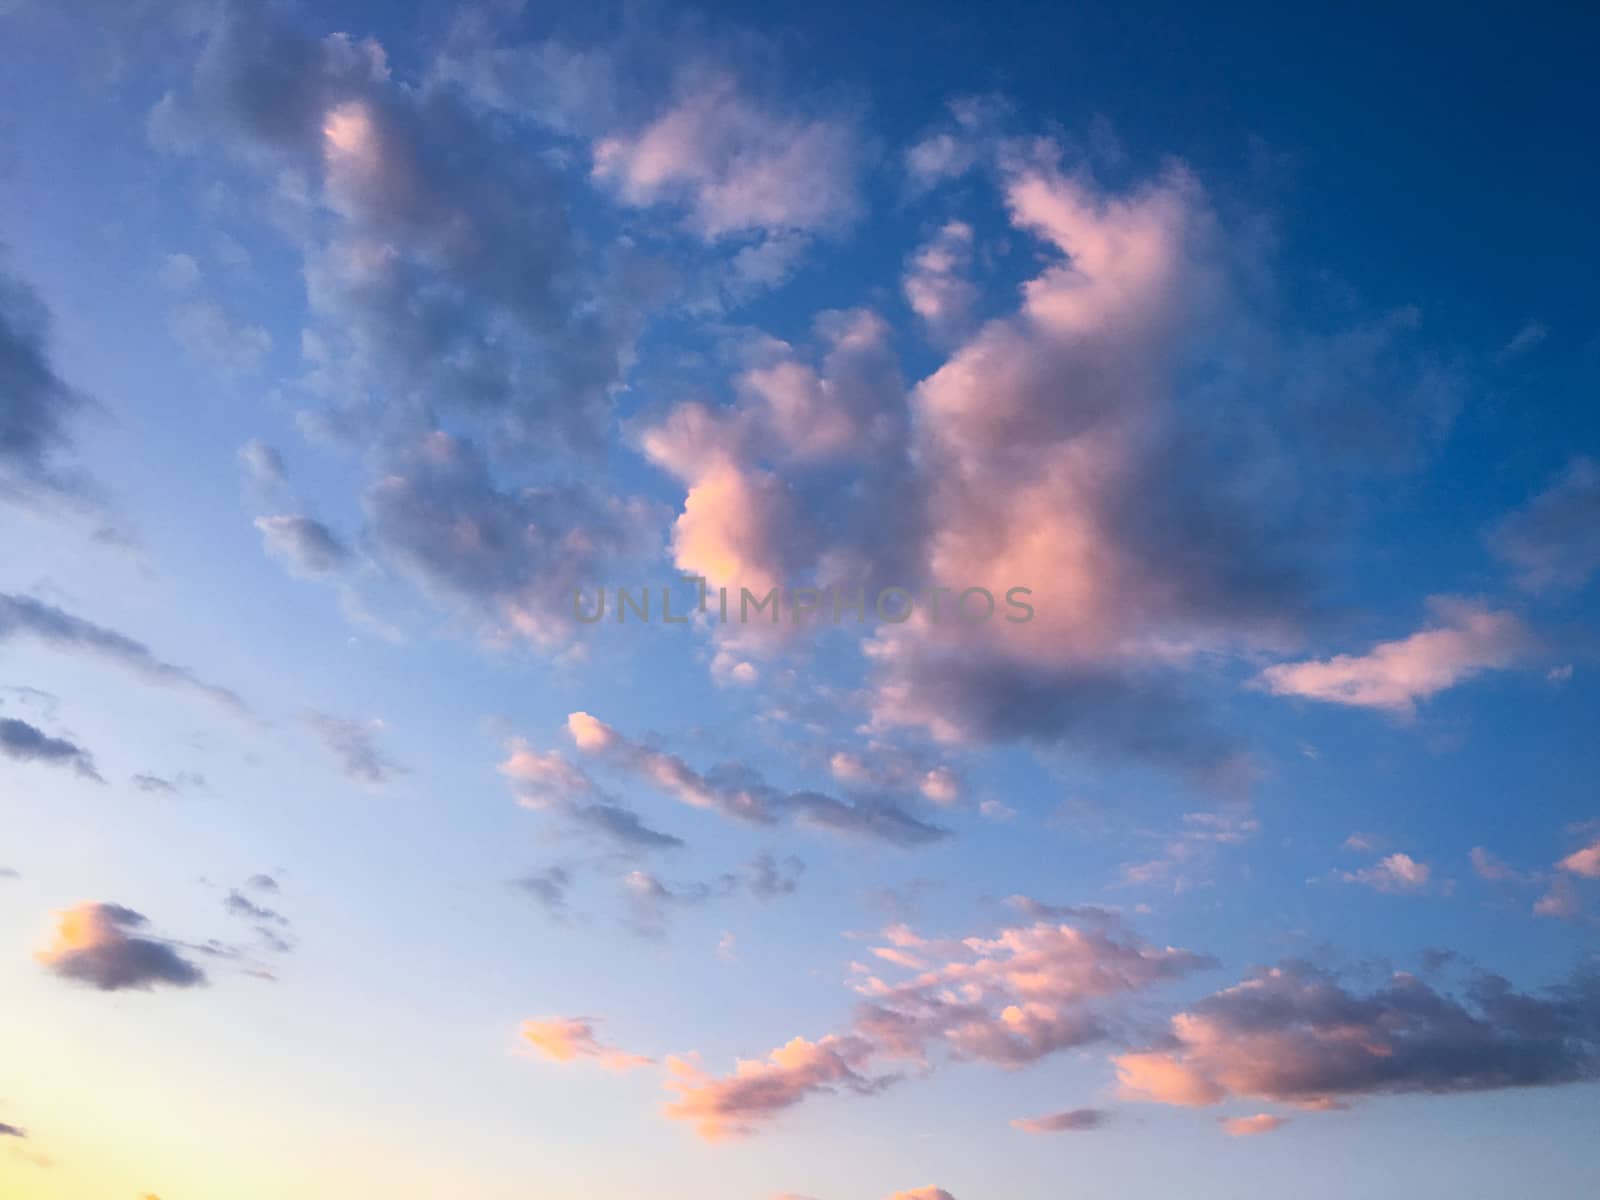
x: 1466, y: 640
x: 570, y: 1039
x: 1396, y: 873
x: 1585, y: 862
x: 923, y: 1193
x: 759, y: 1089
x: 734, y: 165
x: 1252, y: 1126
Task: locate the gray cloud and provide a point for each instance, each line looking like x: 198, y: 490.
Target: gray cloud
x: 549, y: 887
x: 99, y: 945
x: 22, y: 742
x: 1553, y: 541
x: 303, y: 544
x: 160, y: 785
x: 1299, y: 1034
x: 354, y: 744
x: 7, y: 1130
x: 1073, y: 1120
x: 37, y: 403
x: 60, y: 629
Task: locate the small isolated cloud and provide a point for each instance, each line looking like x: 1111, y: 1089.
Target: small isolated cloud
x: 1531, y: 336
x: 1073, y: 1120
x: 923, y: 1193
x: 162, y: 785
x: 1396, y: 873
x: 1560, y: 901
x: 1252, y: 1126
x: 1585, y: 862
x: 13, y: 1131
x: 549, y: 887
x: 22, y: 742
x: 204, y: 329
x: 304, y: 545
x: 1465, y: 640
x: 570, y: 1039
x: 101, y: 945
x: 1491, y: 867
x: 354, y: 744
x: 938, y: 286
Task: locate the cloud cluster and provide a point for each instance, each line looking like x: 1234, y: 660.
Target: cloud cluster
x: 1296, y: 1034
x: 102, y: 945
x: 1008, y: 1000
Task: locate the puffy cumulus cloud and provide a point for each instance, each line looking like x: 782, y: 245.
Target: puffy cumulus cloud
x: 742, y: 794
x: 1296, y: 1034
x: 760, y: 1089
x: 354, y: 744
x: 734, y: 165
x: 512, y: 558
x: 1252, y: 1126
x: 39, y: 404
x: 303, y: 544
x: 62, y: 630
x: 764, y: 507
x: 1553, y: 541
x: 571, y: 1039
x: 938, y: 284
x: 1466, y: 640
x: 22, y: 742
x: 1394, y: 873
x: 1008, y: 1000
x: 1073, y: 1120
x: 1585, y: 862
x: 101, y: 945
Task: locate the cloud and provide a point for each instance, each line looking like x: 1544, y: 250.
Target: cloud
x: 937, y: 284
x: 1395, y: 873
x: 1252, y: 1126
x: 1553, y: 541
x: 1465, y: 640
x: 923, y: 1193
x: 1491, y: 868
x: 11, y: 1131
x: 735, y: 166
x: 1584, y: 862
x: 511, y: 558
x: 262, y: 466
x: 547, y: 781
x: 760, y: 1089
x: 206, y: 331
x: 741, y: 793
x: 303, y: 544
x: 39, y: 404
x: 1295, y: 1034
x: 549, y: 887
x: 61, y: 630
x: 162, y: 786
x: 1009, y: 1000
x: 98, y: 944
x: 1073, y: 1120
x: 354, y: 744
x: 569, y: 1039
x: 22, y: 742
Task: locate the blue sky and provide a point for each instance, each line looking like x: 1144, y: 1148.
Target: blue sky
x: 341, y: 343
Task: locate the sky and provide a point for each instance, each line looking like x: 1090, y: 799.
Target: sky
x: 828, y: 603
